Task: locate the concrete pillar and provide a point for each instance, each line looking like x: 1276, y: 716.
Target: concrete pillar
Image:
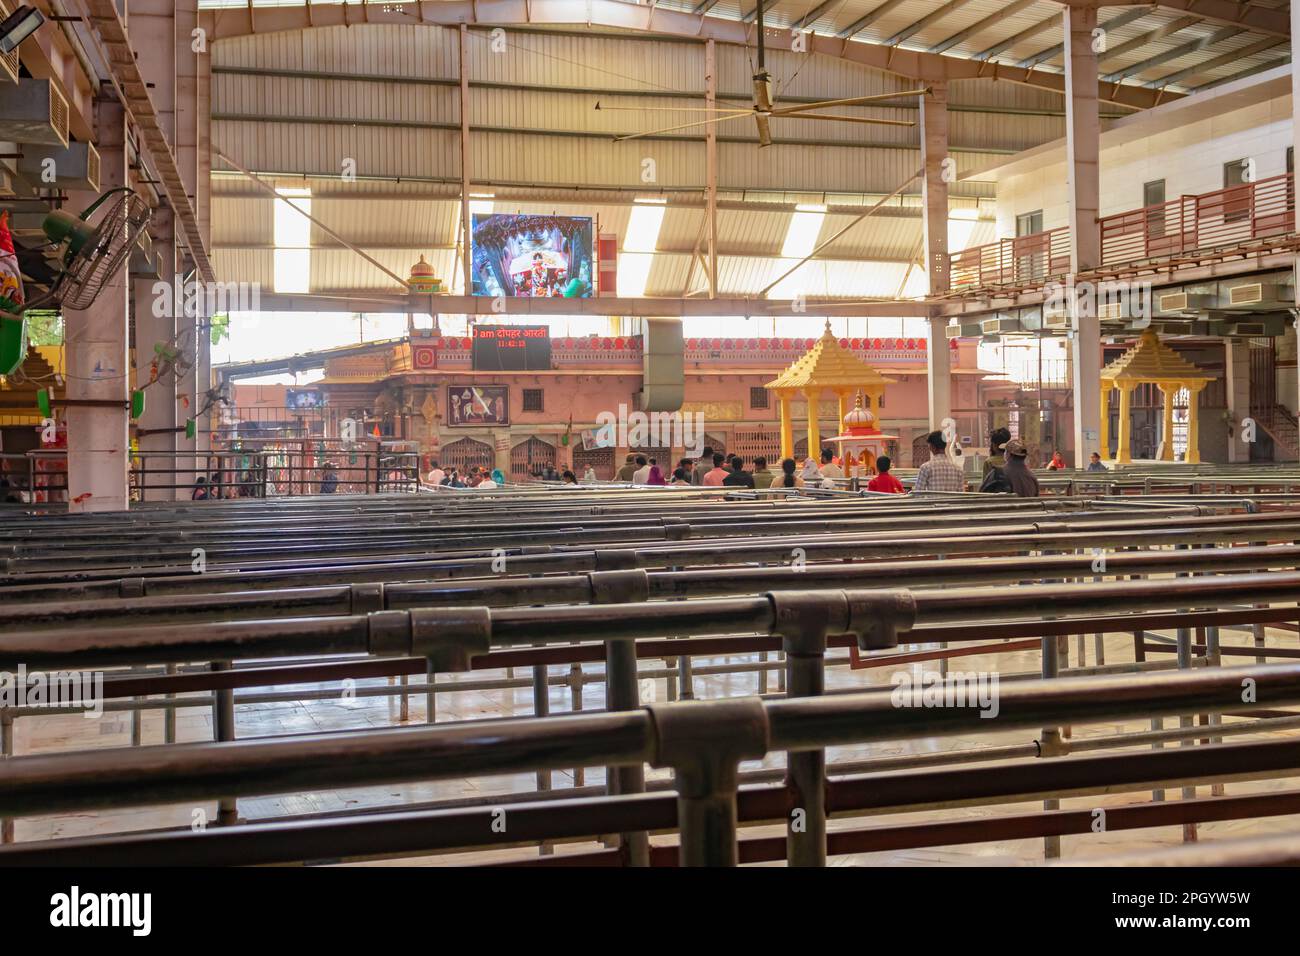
x: 96, y: 347
x: 1236, y: 363
x: 934, y: 187
x: 155, y: 321
x: 938, y: 366
x: 1083, y: 140
x: 1193, y: 421
x: 1294, y: 400
x: 194, y: 157
x: 203, y: 382
x: 155, y: 28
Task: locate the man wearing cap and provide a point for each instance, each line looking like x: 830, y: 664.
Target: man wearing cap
x: 1022, y: 480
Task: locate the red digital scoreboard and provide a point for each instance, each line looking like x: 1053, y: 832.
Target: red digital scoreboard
x: 511, y: 348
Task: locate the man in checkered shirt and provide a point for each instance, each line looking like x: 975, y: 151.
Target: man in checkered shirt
x: 939, y: 473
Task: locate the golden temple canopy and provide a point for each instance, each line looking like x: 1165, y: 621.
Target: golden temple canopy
x: 1151, y: 362
x: 827, y: 365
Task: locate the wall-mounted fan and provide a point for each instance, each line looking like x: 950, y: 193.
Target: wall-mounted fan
x: 764, y: 110
x: 173, y: 359
x: 93, y: 252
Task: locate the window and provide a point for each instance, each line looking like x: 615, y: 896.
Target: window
x: 1153, y: 195
x: 533, y: 400
x: 1030, y: 261
x: 1029, y: 223
x: 758, y: 397
x: 1236, y: 202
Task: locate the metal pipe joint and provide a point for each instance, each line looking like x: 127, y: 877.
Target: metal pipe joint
x: 619, y: 587
x: 450, y: 638
x: 876, y: 618
x: 704, y: 743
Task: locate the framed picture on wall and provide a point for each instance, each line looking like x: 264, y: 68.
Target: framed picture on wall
x: 478, y: 405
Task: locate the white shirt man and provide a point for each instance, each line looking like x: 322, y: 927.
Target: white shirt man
x: 436, y: 476
x: 642, y: 474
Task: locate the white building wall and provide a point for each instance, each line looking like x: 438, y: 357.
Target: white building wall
x: 1189, y: 159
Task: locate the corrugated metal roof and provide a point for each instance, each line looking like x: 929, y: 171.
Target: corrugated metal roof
x: 540, y: 143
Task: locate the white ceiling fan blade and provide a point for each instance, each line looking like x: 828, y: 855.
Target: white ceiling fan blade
x: 848, y: 101
x: 764, y: 130
x: 844, y: 119
x: 670, y: 129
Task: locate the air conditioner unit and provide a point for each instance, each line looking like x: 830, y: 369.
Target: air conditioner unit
x: 1057, y: 320
x: 143, y: 262
x: 1185, y: 302
x: 1250, y: 329
x: 1001, y: 325
x: 75, y: 166
x: 33, y: 111
x: 963, y: 331
x: 1258, y: 294
x: 9, y: 68
x: 1111, y: 311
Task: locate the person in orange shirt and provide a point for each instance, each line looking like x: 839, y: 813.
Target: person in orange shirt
x: 717, y: 474
x: 884, y: 481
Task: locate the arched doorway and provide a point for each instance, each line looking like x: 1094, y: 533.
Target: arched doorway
x: 531, y: 457
x: 920, y: 450
x: 466, y: 453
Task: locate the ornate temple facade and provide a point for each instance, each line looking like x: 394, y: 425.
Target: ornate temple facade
x: 425, y: 391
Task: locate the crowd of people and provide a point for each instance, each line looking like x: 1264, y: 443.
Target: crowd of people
x: 1006, y: 471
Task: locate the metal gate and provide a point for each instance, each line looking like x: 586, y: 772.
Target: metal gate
x: 600, y: 459
x: 750, y: 443
x: 466, y: 453
x: 531, y: 457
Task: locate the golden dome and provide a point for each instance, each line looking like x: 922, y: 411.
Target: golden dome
x: 421, y: 268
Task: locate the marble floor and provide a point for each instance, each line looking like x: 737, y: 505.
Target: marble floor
x: 53, y: 733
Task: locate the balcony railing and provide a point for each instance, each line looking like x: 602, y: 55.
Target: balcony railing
x: 1226, y: 217
x: 1229, y: 217
x: 1025, y: 260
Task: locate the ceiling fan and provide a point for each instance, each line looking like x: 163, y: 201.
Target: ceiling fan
x: 764, y: 110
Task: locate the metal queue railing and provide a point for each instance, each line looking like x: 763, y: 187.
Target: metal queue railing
x: 703, y: 743
x: 393, y: 627
x: 39, y: 479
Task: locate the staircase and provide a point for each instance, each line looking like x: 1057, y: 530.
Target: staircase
x: 1281, y: 426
